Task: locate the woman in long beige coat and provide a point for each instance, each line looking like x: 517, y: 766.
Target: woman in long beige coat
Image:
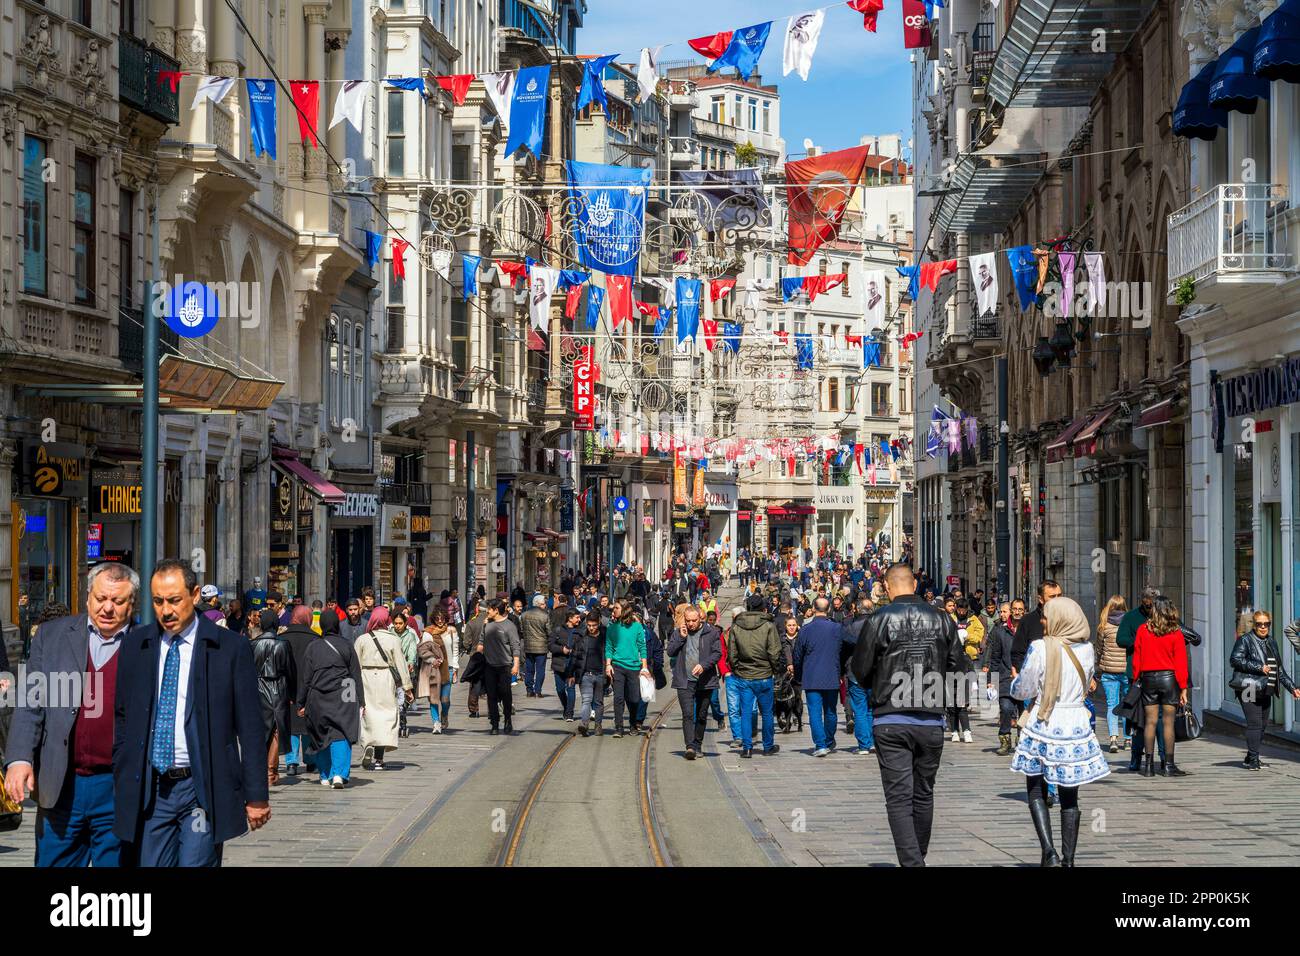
x: 379, y: 651
x: 437, y: 654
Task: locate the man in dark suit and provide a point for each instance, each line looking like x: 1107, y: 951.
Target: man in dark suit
x: 189, y: 756
x: 61, y: 742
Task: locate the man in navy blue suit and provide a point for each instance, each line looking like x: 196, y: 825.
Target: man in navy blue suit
x: 189, y: 750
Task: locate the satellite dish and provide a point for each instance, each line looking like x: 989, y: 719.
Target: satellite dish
x: 880, y: 231
x: 808, y: 145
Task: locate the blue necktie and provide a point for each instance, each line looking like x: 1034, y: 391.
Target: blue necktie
x: 164, y: 725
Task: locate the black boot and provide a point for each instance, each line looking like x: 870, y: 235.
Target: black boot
x: 1148, y: 766
x: 1170, y: 769
x: 1069, y: 835
x: 1042, y: 818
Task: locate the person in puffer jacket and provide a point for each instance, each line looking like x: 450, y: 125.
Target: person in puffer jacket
x: 1112, y: 663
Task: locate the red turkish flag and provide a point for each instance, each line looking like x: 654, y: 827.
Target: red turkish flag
x: 306, y: 103
x: 932, y: 272
x: 720, y: 288
x: 645, y: 308
x: 171, y: 77
x: 816, y: 285
x: 818, y: 191
x: 869, y: 9
x: 710, y: 333
x: 399, y: 258
x: 515, y: 270
x: 619, y: 290
x: 571, y: 300
x: 457, y: 86
x: 712, y: 47
x: 916, y: 25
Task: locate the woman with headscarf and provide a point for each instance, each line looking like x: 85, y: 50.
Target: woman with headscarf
x: 437, y: 656
x: 383, y: 674
x: 1057, y: 744
x: 299, y: 635
x: 276, y: 678
x: 331, y: 697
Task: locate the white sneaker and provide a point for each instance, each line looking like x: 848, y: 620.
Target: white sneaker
x: 966, y: 737
x: 956, y: 737
x: 324, y: 782
x: 337, y: 783
x: 437, y: 727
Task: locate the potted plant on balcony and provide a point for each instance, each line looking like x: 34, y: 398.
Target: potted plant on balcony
x: 1185, y: 291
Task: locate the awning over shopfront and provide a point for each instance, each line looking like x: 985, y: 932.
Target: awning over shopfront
x: 795, y: 511
x: 1059, y: 449
x: 1235, y: 86
x: 986, y: 191
x: 1085, y: 442
x: 1161, y: 413
x: 1277, y: 52
x: 1194, y: 118
x: 329, y: 493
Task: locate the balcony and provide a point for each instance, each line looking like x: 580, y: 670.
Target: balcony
x: 130, y: 340
x: 1233, y: 236
x: 139, y: 85
x: 685, y: 150
x: 537, y: 394
x: 984, y: 50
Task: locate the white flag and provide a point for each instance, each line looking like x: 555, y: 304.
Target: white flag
x: 350, y: 105
x: 647, y: 74
x: 875, y: 305
x: 500, y: 90
x: 212, y: 88
x: 1096, y: 281
x: 442, y: 263
x: 669, y: 289
x: 541, y: 284
x: 984, y: 274
x: 801, y: 35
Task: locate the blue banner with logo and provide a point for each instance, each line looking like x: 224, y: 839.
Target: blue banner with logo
x: 688, y: 308
x: 192, y: 310
x: 611, y: 215
x: 595, y: 299
x: 804, y: 349
x: 261, y: 115
x: 593, y: 86
x: 1024, y: 269
x: 744, y: 50
x: 469, y: 275
x: 731, y: 336
x: 791, y: 287
x: 528, y: 110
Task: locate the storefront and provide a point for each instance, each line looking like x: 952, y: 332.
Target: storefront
x: 790, y: 529
x: 719, y: 530
x: 114, y: 511
x: 352, y: 540
x: 394, y: 542
x: 837, y: 518
x: 48, y: 539
x: 285, y: 554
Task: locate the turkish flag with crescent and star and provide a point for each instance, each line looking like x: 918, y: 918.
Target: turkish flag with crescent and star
x: 306, y: 103
x: 712, y: 47
x: 818, y: 190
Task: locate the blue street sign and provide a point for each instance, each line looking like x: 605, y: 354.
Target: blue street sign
x: 620, y: 504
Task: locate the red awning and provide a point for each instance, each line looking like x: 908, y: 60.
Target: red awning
x: 1057, y: 450
x: 744, y: 515
x: 317, y: 485
x: 796, y: 511
x: 1085, y: 443
x: 1161, y: 413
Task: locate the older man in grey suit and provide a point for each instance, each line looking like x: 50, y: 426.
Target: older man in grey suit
x: 61, y: 741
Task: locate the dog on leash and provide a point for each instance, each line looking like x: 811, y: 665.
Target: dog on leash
x: 787, y: 703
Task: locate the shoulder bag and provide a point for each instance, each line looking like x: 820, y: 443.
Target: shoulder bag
x: 392, y: 669
x: 1186, y: 724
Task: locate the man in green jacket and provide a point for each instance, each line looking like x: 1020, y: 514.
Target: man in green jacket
x: 1126, y: 637
x: 755, y: 658
x: 625, y: 661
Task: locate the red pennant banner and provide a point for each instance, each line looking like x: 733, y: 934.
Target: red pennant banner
x: 645, y: 308
x: 712, y: 47
x: 907, y: 340
x: 710, y: 333
x: 515, y: 270
x: 571, y: 300
x: 619, y: 290
x: 932, y: 272
x: 171, y: 77
x: 916, y: 25
x: 816, y: 285
x: 869, y: 9
x: 457, y: 86
x: 818, y: 191
x: 399, y: 258
x: 720, y: 288
x: 306, y: 104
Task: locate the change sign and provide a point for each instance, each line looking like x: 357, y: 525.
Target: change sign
x: 585, y: 376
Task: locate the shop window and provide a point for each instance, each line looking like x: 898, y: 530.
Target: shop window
x: 1239, y: 571
x: 43, y: 559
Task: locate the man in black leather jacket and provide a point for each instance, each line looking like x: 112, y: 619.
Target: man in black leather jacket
x: 906, y: 654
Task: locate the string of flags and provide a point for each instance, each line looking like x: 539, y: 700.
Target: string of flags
x: 1030, y: 267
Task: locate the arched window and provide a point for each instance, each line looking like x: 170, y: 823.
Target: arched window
x: 332, y: 367
x: 359, y: 375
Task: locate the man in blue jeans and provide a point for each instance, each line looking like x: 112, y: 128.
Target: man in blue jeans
x: 755, y: 657
x: 859, y: 696
x: 817, y: 669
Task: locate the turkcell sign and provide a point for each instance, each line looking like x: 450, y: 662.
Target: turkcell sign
x: 610, y: 220
x: 584, y: 389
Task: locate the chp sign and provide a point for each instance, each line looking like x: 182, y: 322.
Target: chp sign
x: 585, y: 376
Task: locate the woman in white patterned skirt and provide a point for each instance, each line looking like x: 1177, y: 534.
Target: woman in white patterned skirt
x: 1057, y: 743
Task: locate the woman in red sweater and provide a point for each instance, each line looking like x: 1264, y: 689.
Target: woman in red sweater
x: 1160, y: 664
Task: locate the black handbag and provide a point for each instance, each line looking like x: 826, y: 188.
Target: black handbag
x: 1186, y: 724
x: 1132, y: 702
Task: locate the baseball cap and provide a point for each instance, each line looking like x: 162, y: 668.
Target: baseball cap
x: 209, y: 591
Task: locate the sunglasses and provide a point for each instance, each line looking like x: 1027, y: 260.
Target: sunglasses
x: 1264, y: 624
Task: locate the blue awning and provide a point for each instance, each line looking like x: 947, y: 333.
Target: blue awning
x: 1277, y: 53
x: 1193, y: 116
x: 1235, y: 86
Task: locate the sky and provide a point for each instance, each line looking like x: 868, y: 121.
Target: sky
x: 859, y: 84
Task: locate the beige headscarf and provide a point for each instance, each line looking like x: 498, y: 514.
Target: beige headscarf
x: 1065, y: 625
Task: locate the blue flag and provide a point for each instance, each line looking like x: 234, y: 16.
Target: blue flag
x: 1024, y: 269
x: 261, y: 116
x: 731, y: 336
x: 413, y: 83
x: 593, y: 87
x: 595, y: 299
x: 913, y: 276
x: 804, y: 349
x: 469, y: 273
x: 791, y: 287
x: 743, y: 51
x: 884, y: 447
x: 374, y: 243
x: 929, y: 8
x: 661, y: 323
x: 688, y: 308
x: 610, y: 219
x: 571, y: 277
x: 934, y: 439
x: 528, y: 110
x: 871, y: 354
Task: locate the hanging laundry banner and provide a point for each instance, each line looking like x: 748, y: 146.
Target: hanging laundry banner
x: 689, y: 292
x: 528, y: 110
x: 984, y: 273
x: 261, y: 116
x: 875, y: 306
x: 916, y: 25
x: 611, y: 215
x: 585, y: 376
x: 1066, y: 261
x: 647, y: 74
x: 1096, y: 281
x: 744, y: 50
x: 818, y: 192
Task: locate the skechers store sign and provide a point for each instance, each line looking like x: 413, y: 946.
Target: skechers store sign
x: 1270, y: 387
